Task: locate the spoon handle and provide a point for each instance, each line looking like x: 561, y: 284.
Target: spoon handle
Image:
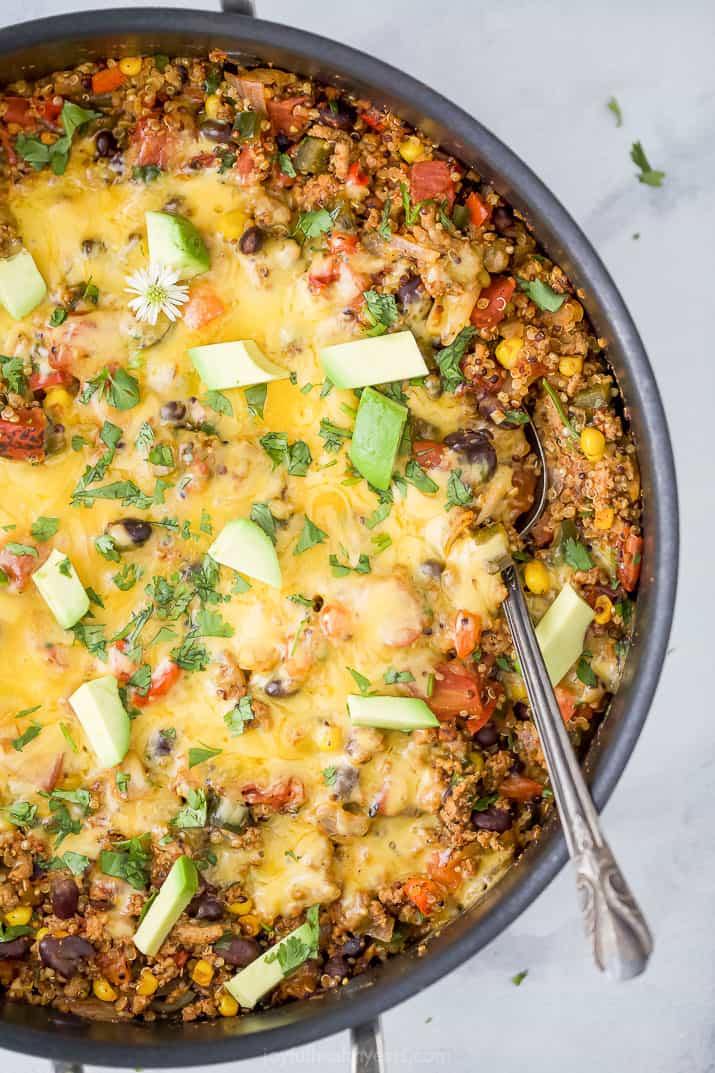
x: 621, y: 940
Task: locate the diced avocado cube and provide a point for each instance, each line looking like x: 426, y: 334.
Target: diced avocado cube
x: 61, y: 589
x: 376, y: 437
x: 379, y: 360
x: 236, y: 364
x: 22, y: 288
x: 250, y: 984
x: 562, y: 631
x: 175, y: 243
x: 390, y: 713
x: 104, y: 719
x: 176, y: 892
x: 244, y: 546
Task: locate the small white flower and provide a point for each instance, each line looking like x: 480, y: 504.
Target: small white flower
x: 157, y: 291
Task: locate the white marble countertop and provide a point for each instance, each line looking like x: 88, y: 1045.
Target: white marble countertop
x: 539, y: 76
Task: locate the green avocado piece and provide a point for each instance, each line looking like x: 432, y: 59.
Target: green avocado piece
x: 21, y: 285
x: 176, y: 892
x: 250, y: 984
x: 376, y: 437
x: 379, y: 360
x: 104, y: 719
x: 175, y: 243
x: 61, y: 589
x: 562, y: 631
x: 244, y: 546
x: 390, y: 713
x: 237, y: 364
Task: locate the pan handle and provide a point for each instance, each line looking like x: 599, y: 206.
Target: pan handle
x: 238, y: 7
x: 367, y: 1052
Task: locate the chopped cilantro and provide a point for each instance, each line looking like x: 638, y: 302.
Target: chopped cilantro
x: 615, y: 110
x: 449, y: 359
x: 544, y: 296
x: 647, y: 174
x: 237, y: 718
x: 310, y: 535
x: 198, y: 754
x: 459, y: 494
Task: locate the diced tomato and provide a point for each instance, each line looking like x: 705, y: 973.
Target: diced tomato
x: 459, y: 690
x: 431, y: 179
x: 52, y: 108
x: 245, y: 165
x: 490, y: 307
x: 373, y: 119
x: 467, y: 631
x: 328, y: 273
x: 357, y: 176
x: 17, y: 568
x: 519, y: 788
x: 24, y: 439
x: 423, y: 892
x: 479, y: 210
x: 153, y: 146
x: 342, y: 242
x: 107, y: 81
x: 282, y: 796
x: 162, y: 679
x: 629, y: 560
x: 444, y: 867
x: 203, y: 306
x: 430, y: 454
x: 566, y: 701
x: 54, y: 378
x: 17, y: 110
x: 282, y: 117
x: 335, y: 622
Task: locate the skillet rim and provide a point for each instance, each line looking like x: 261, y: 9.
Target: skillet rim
x: 46, y: 1033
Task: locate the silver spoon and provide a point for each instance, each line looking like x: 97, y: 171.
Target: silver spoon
x: 622, y: 942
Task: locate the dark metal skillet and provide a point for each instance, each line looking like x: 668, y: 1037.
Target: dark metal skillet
x: 66, y: 40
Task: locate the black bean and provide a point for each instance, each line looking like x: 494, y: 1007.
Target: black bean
x: 340, y: 116
x: 352, y: 946
x: 283, y: 142
x: 278, y: 687
x: 65, y: 955
x: 337, y: 967
x: 502, y: 219
x: 15, y: 948
x: 239, y: 952
x: 346, y: 778
x: 251, y: 240
x: 489, y: 406
x: 476, y: 447
x: 129, y: 532
x: 488, y: 735
x: 161, y: 744
x: 216, y: 130
x: 409, y: 291
x: 172, y: 413
x: 521, y: 710
x: 209, y: 909
x: 105, y: 143
x: 64, y: 898
x: 492, y: 819
x: 432, y: 568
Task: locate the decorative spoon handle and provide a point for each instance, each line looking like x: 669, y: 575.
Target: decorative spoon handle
x: 621, y: 940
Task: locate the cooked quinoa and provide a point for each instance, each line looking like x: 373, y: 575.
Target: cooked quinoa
x: 324, y: 221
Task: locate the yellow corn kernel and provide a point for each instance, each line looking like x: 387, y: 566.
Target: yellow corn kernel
x: 537, y: 577
x: 571, y: 366
x: 147, y: 983
x: 233, y: 224
x: 130, y: 66
x: 250, y: 925
x: 477, y: 762
x: 328, y: 738
x: 227, y: 1005
x: 593, y: 444
x: 203, y: 973
x: 212, y: 105
x: 515, y: 688
x: 241, y: 907
x: 58, y: 396
x: 411, y: 149
x: 604, y: 518
x: 41, y: 933
x: 603, y: 610
x: 507, y: 353
x: 20, y: 916
x: 104, y: 990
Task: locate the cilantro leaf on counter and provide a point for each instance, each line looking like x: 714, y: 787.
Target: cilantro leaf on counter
x: 615, y: 110
x: 647, y: 174
x: 518, y: 979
